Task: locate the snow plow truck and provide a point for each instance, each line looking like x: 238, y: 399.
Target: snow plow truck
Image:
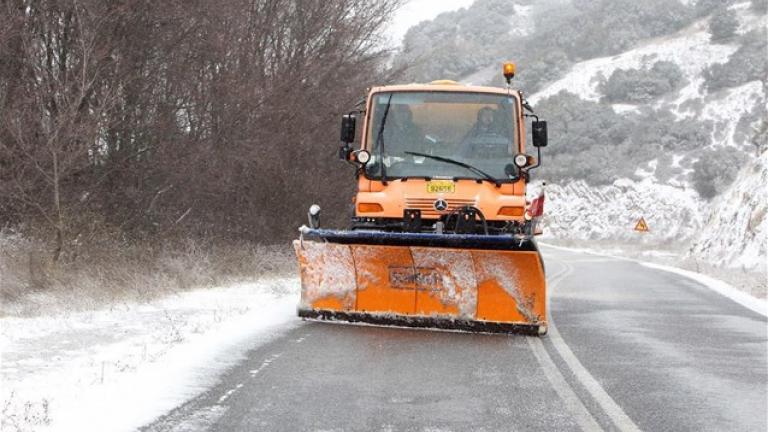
x: 442, y: 235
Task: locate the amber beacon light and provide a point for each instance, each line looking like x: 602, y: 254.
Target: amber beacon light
x: 509, y: 71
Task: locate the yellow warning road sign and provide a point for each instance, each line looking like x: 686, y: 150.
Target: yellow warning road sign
x: 641, y: 225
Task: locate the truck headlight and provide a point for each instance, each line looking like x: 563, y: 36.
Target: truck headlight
x: 521, y: 160
x: 362, y: 156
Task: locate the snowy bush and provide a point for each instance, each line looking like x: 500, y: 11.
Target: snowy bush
x: 642, y: 85
x: 747, y: 64
x: 705, y: 7
x: 108, y: 271
x: 450, y: 46
x: 715, y: 171
x: 723, y: 25
x: 592, y: 142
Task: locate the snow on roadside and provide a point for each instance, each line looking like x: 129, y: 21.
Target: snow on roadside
x: 120, y: 368
x: 722, y: 288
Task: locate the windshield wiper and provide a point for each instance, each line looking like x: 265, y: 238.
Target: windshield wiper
x: 476, y: 170
x: 380, y: 139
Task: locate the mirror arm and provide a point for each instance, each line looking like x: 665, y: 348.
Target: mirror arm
x: 531, y: 115
x: 344, y: 153
x: 538, y: 160
x: 527, y: 107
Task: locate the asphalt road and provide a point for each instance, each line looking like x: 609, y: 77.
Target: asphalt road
x: 631, y: 348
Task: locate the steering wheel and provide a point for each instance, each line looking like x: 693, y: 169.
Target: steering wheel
x: 490, y: 145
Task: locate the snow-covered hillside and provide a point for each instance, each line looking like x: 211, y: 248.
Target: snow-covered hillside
x: 690, y: 49
x: 580, y: 211
x: 736, y: 232
x: 732, y: 230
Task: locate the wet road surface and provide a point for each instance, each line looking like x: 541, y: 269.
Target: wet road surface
x: 631, y: 348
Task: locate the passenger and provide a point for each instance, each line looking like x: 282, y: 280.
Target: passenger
x: 484, y: 124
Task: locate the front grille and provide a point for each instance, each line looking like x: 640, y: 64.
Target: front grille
x: 427, y: 205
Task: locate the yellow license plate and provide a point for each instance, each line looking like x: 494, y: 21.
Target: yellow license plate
x: 441, y: 186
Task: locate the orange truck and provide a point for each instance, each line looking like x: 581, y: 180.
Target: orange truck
x: 442, y: 236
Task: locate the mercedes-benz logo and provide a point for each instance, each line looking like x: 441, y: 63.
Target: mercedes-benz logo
x: 441, y: 205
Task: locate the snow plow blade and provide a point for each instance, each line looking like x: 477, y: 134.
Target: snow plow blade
x: 476, y: 283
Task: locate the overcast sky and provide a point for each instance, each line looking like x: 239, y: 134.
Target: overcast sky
x: 416, y: 11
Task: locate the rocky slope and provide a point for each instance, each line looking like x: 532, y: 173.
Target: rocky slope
x: 673, y: 148
x: 736, y: 232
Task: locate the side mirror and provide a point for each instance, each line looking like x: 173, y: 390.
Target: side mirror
x: 539, y: 132
x: 348, y: 128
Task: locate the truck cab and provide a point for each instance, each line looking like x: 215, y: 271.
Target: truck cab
x: 442, y: 156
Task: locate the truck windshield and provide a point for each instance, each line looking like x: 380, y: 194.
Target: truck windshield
x: 475, y: 129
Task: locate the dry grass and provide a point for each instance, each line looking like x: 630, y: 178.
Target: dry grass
x: 108, y: 272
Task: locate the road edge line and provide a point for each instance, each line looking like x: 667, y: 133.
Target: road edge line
x: 617, y: 415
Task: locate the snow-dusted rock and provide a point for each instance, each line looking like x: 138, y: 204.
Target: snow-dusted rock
x: 736, y: 231
x: 579, y: 211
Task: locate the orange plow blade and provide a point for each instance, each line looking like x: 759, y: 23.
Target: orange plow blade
x: 423, y: 286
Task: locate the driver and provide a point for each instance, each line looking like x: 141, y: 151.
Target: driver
x: 486, y: 126
x: 400, y: 132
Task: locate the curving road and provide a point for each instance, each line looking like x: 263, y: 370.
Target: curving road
x: 631, y: 348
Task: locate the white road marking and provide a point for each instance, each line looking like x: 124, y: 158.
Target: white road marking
x: 264, y: 364
x: 253, y: 373
x: 577, y: 409
x: 230, y: 392
x: 227, y: 395
x: 619, y: 418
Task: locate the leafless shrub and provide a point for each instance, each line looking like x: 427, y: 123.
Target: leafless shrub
x: 111, y: 272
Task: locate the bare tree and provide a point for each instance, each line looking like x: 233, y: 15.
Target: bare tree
x: 51, y: 118
x: 207, y: 118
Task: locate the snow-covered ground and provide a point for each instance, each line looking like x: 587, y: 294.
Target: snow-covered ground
x: 579, y: 211
x: 118, y: 368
